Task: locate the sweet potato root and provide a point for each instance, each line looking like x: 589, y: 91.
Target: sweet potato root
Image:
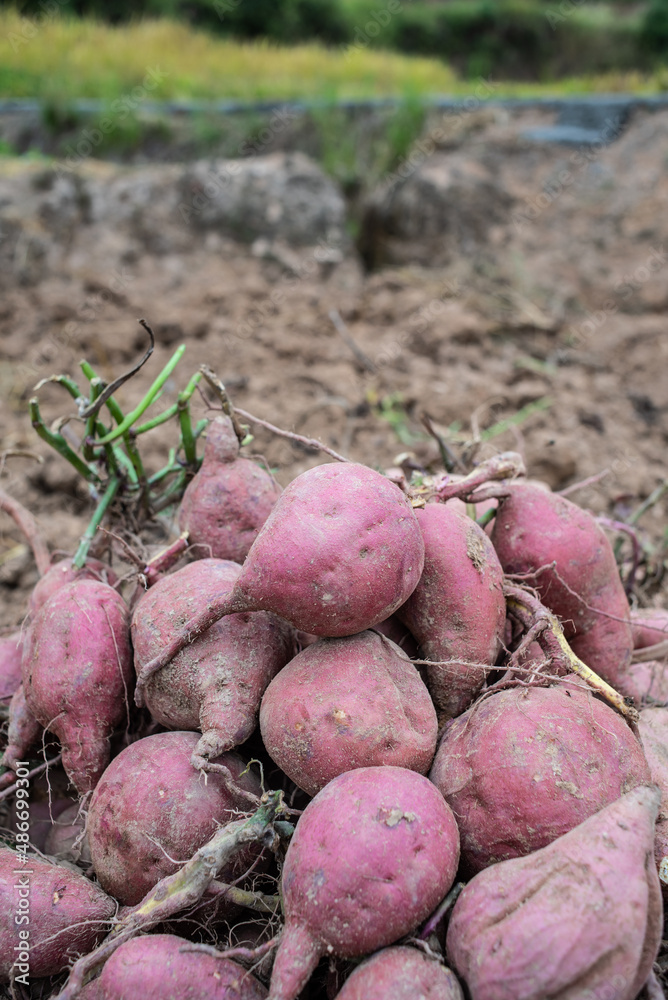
x: 527, y: 765
x: 152, y: 810
x: 534, y: 529
x: 344, y: 703
x: 77, y: 671
x: 58, y: 913
x: 214, y: 684
x: 401, y: 974
x: 160, y: 967
x: 457, y: 611
x: 372, y: 855
x: 229, y: 499
x: 579, y: 918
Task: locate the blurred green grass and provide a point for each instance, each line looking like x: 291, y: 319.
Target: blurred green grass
x: 63, y: 59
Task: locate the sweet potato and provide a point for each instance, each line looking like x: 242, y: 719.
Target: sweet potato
x: 11, y: 649
x: 532, y: 530
x: 58, y: 913
x: 457, y: 611
x: 215, y: 684
x: 401, y: 974
x: 159, y: 967
x: 23, y: 732
x: 579, y: 918
x: 527, y: 765
x: 77, y: 671
x: 373, y: 854
x: 345, y: 703
x: 653, y: 727
x: 647, y: 682
x: 649, y: 627
x: 229, y: 499
x: 340, y: 552
x: 62, y: 573
x: 152, y: 810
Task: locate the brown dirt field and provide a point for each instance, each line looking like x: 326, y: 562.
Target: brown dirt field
x: 565, y: 302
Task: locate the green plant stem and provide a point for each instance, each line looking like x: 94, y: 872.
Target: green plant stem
x: 66, y: 382
x: 80, y: 557
x: 517, y: 418
x: 171, y: 494
x: 654, y: 496
x: 163, y: 473
x: 188, y: 439
x: 172, y: 411
x: 149, y: 398
x: 187, y: 436
x: 134, y: 467
x: 58, y: 442
x: 92, y: 425
x: 485, y: 518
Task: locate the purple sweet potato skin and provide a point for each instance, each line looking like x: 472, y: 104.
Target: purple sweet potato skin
x: 648, y: 682
x: 534, y: 528
x: 315, y: 725
x: 24, y: 729
x: 229, y: 499
x: 63, y: 906
x: 340, y: 552
x: 527, y: 765
x: 216, y: 682
x: 372, y: 855
x: 580, y: 918
x: 653, y: 727
x: 402, y: 974
x: 11, y: 650
x: 77, y: 674
x: 457, y: 609
x: 153, y: 967
x: 62, y: 573
x: 650, y: 627
x: 150, y: 804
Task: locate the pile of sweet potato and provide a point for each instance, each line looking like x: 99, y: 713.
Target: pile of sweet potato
x: 351, y: 745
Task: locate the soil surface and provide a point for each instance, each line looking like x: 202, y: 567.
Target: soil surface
x: 554, y: 295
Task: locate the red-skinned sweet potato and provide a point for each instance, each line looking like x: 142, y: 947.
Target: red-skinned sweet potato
x: 579, y: 918
x: 457, y: 611
x: 649, y: 626
x: 527, y: 765
x: 160, y: 967
x: 401, y: 974
x: 214, y: 684
x: 62, y: 573
x: 23, y: 732
x: 653, y: 727
x: 58, y: 913
x: 340, y: 552
x: 11, y: 650
x: 228, y: 500
x: 356, y: 701
x: 152, y: 810
x: 647, y: 682
x: 77, y: 674
x: 371, y: 857
x: 532, y: 530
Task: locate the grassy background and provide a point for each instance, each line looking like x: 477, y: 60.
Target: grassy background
x: 59, y: 59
